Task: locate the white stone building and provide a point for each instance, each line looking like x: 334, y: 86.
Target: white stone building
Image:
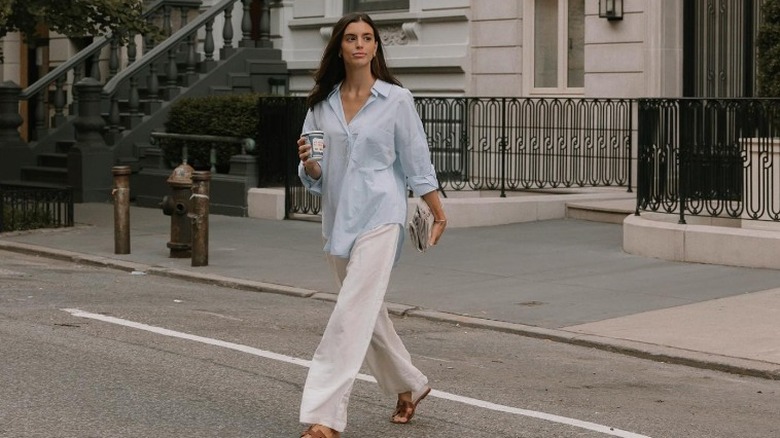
x: 503, y: 47
x: 507, y: 48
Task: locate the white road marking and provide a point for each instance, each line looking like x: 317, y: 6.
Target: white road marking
x: 434, y: 358
x: 219, y: 315
x: 365, y: 377
x: 10, y: 273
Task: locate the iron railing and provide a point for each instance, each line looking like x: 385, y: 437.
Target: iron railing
x: 26, y: 208
x: 709, y: 157
x: 503, y: 144
x: 509, y: 144
x: 181, y: 143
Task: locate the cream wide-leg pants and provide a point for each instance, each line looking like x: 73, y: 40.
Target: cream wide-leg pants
x: 359, y: 329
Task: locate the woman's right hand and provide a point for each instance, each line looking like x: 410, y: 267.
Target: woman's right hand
x: 311, y: 167
x: 304, y: 150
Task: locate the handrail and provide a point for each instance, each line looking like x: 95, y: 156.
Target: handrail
x: 81, y: 56
x: 51, y: 76
x: 247, y: 144
x: 111, y: 86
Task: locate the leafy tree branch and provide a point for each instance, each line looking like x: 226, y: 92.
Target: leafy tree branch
x: 74, y: 18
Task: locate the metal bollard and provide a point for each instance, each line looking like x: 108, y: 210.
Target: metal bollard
x: 200, y: 218
x: 121, y: 194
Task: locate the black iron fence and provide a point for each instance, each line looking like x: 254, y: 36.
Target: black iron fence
x: 27, y: 208
x: 520, y: 143
x: 502, y: 144
x: 709, y: 157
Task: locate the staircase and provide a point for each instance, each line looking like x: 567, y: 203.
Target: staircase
x: 135, y: 100
x: 51, y: 167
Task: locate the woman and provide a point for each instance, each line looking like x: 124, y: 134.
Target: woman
x: 375, y: 147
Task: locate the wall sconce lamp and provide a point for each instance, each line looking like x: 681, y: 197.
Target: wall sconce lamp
x: 278, y: 86
x: 611, y: 9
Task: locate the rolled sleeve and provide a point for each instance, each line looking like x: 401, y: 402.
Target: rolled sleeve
x: 423, y: 184
x: 412, y: 148
x: 311, y: 184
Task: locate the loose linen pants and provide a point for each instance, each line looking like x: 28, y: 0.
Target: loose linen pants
x: 359, y: 329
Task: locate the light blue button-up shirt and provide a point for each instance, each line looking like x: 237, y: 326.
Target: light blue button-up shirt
x: 368, y: 163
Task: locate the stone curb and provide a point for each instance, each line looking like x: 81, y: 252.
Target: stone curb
x: 229, y: 282
x: 655, y: 352
x: 658, y: 353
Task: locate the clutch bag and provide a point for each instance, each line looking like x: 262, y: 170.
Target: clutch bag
x: 420, y: 226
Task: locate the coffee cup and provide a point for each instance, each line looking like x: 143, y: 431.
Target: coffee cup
x: 317, y: 141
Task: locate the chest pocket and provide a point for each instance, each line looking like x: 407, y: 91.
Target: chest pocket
x: 374, y: 149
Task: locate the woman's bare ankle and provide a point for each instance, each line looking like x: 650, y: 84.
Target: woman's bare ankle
x: 405, y: 396
x: 329, y: 433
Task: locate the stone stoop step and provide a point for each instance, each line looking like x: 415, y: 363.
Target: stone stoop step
x: 608, y: 211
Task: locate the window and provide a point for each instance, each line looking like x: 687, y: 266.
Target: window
x: 375, y: 5
x: 558, y: 43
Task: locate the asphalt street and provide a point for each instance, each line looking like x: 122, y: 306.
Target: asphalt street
x: 563, y: 280
x: 100, y: 352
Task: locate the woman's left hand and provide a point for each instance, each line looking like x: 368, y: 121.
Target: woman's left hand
x: 439, y: 218
x: 437, y: 231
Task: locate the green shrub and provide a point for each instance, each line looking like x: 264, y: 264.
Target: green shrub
x: 232, y: 115
x: 768, y: 45
x: 18, y: 219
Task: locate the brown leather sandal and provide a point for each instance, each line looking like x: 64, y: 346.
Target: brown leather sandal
x: 404, y: 410
x: 311, y: 432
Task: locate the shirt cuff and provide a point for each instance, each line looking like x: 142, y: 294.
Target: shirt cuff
x: 422, y: 185
x: 311, y: 184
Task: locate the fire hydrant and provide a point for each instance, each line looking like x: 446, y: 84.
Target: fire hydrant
x: 177, y: 205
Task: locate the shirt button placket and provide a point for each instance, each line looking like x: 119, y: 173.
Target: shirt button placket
x: 350, y: 145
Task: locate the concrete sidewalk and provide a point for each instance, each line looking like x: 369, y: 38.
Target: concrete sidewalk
x: 565, y: 280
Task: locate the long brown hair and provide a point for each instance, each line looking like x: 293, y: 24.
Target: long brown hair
x: 332, y: 71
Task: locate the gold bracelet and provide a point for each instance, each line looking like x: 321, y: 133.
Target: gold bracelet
x: 440, y: 221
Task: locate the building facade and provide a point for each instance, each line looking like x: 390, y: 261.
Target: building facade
x: 439, y: 48
x: 505, y: 48
x: 509, y: 48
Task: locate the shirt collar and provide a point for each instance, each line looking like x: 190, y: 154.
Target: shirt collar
x: 379, y: 87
